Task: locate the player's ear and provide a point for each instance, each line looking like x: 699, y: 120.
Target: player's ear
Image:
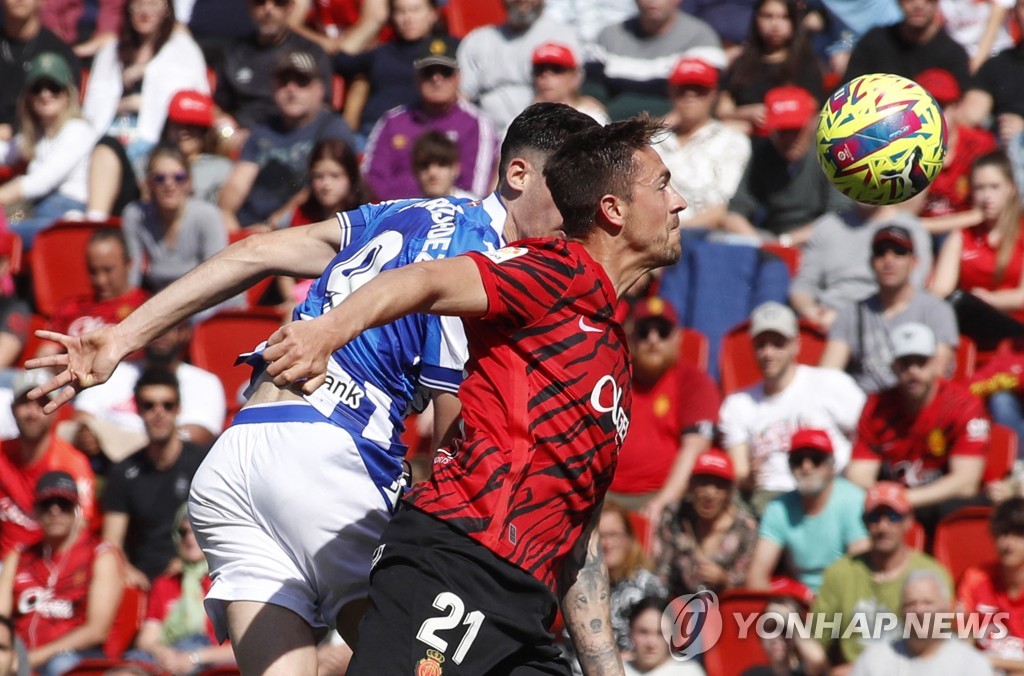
x: 613, y: 209
x: 517, y: 174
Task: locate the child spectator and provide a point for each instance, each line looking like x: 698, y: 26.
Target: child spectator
x: 435, y: 160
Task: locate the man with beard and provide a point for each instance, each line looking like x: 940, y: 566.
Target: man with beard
x: 815, y: 524
x: 929, y: 434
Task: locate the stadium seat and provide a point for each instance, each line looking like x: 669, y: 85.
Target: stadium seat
x: 966, y: 357
x: 731, y: 654
x: 126, y: 623
x: 57, y: 262
x: 962, y: 540
x: 643, y: 530
x: 218, y: 340
x: 915, y: 537
x: 465, y: 15
x: 17, y: 254
x: 694, y: 347
x: 790, y: 255
x: 737, y: 364
x: 1002, y: 453
x: 100, y: 666
x: 31, y: 346
x: 256, y: 291
x: 338, y: 92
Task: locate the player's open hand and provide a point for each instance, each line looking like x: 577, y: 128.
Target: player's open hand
x: 298, y: 353
x: 89, y: 360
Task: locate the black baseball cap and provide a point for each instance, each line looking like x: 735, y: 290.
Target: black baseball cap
x: 56, y: 485
x: 896, y: 234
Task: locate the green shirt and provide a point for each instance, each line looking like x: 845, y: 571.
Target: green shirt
x: 847, y: 589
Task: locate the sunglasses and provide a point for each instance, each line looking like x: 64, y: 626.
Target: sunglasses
x: 798, y: 458
x: 876, y: 515
x: 40, y: 86
x: 880, y: 250
x: 298, y: 79
x: 165, y: 405
x: 63, y: 504
x: 427, y: 72
x: 275, y: 3
x: 644, y: 328
x: 542, y: 68
x: 164, y: 179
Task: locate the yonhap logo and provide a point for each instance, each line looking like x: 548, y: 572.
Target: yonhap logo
x: 692, y: 624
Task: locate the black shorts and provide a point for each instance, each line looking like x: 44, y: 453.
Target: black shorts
x: 442, y: 604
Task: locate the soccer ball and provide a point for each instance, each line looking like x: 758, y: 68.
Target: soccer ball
x: 881, y: 138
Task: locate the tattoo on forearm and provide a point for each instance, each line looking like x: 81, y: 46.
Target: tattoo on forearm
x: 587, y: 613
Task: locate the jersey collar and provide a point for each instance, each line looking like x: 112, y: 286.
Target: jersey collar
x: 496, y: 211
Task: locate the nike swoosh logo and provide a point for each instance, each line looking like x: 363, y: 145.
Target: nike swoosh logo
x: 588, y: 329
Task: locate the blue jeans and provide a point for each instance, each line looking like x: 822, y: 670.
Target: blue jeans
x: 66, y: 661
x: 1006, y: 409
x: 1015, y: 151
x: 44, y: 213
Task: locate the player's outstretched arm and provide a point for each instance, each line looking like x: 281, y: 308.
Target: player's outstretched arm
x: 91, y: 358
x: 586, y: 606
x: 299, y: 351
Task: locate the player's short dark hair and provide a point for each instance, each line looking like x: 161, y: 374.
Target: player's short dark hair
x: 542, y: 129
x: 647, y: 603
x: 1008, y: 518
x: 158, y: 376
x: 596, y: 163
x: 109, y: 234
x: 434, y: 147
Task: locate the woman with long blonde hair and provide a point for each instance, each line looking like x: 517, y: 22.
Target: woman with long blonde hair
x: 53, y: 147
x: 987, y: 259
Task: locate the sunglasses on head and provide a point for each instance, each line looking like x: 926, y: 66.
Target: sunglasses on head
x: 427, y: 72
x: 164, y: 179
x: 645, y: 326
x: 63, y: 504
x: 298, y: 79
x: 879, y: 250
x: 797, y: 458
x: 876, y: 515
x: 40, y: 86
x: 165, y: 405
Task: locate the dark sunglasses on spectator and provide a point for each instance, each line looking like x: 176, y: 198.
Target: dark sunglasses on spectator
x: 64, y: 504
x: 876, y: 515
x: 163, y: 179
x: 276, y: 3
x: 39, y: 86
x: 165, y: 405
x: 797, y: 458
x: 427, y: 72
x: 880, y: 250
x: 300, y: 79
x: 644, y: 328
x: 542, y: 68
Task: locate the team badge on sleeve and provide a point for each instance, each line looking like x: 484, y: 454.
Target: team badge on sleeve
x: 506, y: 254
x: 430, y: 665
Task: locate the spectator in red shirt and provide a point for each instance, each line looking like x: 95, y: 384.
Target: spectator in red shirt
x: 927, y: 433
x: 62, y: 592
x: 675, y: 407
x: 25, y: 459
x: 998, y: 587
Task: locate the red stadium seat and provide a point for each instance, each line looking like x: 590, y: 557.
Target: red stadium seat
x: 790, y: 255
x: 126, y: 622
x: 643, y: 530
x: 1002, y: 453
x: 338, y: 92
x: 694, y: 347
x: 915, y: 537
x: 465, y: 15
x: 966, y: 357
x: 58, y: 262
x: 738, y: 366
x: 31, y: 346
x: 217, y: 341
x: 732, y: 655
x: 962, y: 540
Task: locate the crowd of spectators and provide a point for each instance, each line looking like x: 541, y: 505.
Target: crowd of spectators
x: 171, y: 128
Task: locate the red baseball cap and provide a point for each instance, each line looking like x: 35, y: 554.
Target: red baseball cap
x: 812, y: 439
x: 646, y: 308
x: 941, y: 84
x: 714, y: 463
x: 191, y: 107
x: 555, y: 54
x: 789, y: 107
x: 694, y: 72
x: 887, y: 494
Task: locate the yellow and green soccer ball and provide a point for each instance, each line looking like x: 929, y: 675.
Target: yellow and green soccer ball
x: 881, y: 139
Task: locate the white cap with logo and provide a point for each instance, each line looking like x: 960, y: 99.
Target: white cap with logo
x: 772, y: 316
x: 912, y: 339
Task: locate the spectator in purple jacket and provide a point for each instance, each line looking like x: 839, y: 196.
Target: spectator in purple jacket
x: 387, y: 159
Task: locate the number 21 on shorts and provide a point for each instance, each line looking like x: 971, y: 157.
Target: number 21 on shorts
x: 456, y: 611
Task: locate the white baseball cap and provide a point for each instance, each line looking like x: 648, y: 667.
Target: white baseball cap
x: 772, y: 316
x: 912, y: 339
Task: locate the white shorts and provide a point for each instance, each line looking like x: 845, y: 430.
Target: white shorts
x: 286, y: 514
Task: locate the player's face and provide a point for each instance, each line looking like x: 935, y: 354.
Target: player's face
x: 650, y: 644
x: 330, y: 183
x: 919, y: 14
x: 653, y: 223
x: 892, y: 265
x: 108, y: 269
x: 775, y: 353
x: 773, y: 25
x: 916, y: 376
x: 158, y: 406
x: 436, y: 179
x: 991, y: 191
x: 1010, y: 549
x: 654, y: 347
x: 413, y: 19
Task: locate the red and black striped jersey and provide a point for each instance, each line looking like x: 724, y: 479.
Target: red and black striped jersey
x: 545, y: 408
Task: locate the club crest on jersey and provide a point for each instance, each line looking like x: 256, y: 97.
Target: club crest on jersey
x: 606, y: 397
x: 506, y: 254
x: 430, y: 665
